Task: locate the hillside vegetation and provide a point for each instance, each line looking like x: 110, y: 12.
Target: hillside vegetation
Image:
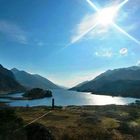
x: 74, y: 123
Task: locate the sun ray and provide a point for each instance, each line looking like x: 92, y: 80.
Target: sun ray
x: 83, y: 34
x: 112, y: 23
x: 125, y: 33
x: 122, y: 4
x: 115, y: 25
x: 77, y: 39
x: 97, y: 9
x: 92, y: 5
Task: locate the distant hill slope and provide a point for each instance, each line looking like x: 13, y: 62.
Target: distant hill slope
x: 8, y: 82
x: 33, y: 80
x: 118, y: 82
x: 81, y: 84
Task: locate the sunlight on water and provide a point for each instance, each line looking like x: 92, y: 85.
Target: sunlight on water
x: 104, y: 100
x: 64, y: 98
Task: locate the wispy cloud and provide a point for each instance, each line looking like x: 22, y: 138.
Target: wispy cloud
x: 13, y: 32
x: 132, y: 27
x: 108, y: 52
x: 104, y: 53
x: 87, y: 24
x: 138, y: 63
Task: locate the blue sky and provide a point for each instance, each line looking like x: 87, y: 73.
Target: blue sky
x: 47, y: 37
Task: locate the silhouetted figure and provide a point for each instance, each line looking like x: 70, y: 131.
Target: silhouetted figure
x: 27, y: 106
x: 53, y: 104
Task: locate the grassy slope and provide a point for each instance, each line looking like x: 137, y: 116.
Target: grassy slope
x: 89, y: 122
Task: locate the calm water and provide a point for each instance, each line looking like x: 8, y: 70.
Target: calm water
x: 64, y: 98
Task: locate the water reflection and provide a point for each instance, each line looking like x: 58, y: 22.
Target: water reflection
x: 64, y: 98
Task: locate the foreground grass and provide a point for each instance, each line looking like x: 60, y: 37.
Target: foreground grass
x: 87, y: 122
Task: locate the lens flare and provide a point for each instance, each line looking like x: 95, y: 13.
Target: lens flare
x: 106, y: 16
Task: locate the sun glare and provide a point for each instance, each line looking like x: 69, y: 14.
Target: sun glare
x: 106, y: 16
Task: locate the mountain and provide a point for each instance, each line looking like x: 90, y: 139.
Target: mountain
x: 8, y: 82
x: 33, y: 80
x: 83, y: 83
x: 117, y: 82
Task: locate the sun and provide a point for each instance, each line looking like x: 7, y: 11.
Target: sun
x: 106, y: 16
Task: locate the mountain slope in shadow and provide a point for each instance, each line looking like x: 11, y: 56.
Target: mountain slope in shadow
x: 8, y: 82
x: 117, y: 82
x: 33, y: 80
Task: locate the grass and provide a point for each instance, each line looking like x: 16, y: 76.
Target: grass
x: 109, y: 123
x: 87, y: 122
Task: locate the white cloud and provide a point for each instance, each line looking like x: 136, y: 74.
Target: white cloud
x: 88, y: 23
x: 132, y: 27
x: 138, y: 63
x: 13, y: 32
x: 104, y: 53
x: 90, y: 28
x: 124, y: 51
x: 84, y: 27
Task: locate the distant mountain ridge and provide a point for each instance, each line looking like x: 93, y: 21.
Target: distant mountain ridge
x: 8, y: 82
x: 33, y: 80
x: 117, y: 82
x: 130, y: 73
x: 79, y: 85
